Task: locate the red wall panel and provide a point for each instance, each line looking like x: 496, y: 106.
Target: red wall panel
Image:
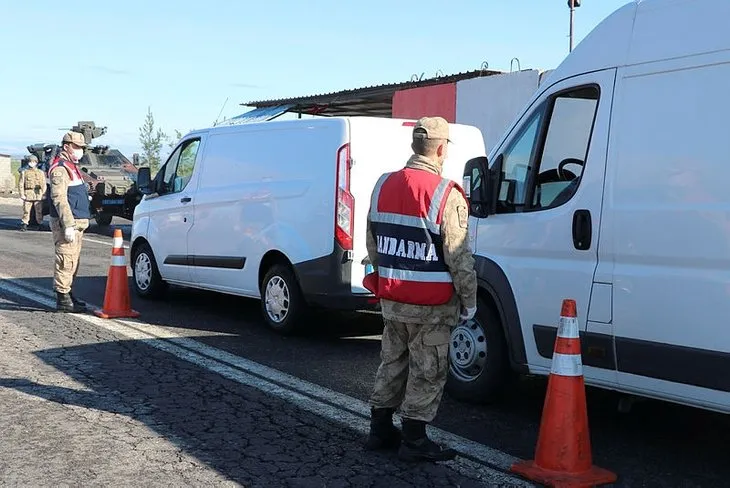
x: 427, y: 101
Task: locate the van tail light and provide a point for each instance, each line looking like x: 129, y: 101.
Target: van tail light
x: 345, y: 203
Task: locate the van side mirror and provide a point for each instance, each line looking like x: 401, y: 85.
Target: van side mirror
x: 144, y: 179
x: 480, y: 185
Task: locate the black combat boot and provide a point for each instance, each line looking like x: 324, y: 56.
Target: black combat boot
x: 23, y: 227
x: 417, y: 446
x: 77, y: 302
x: 383, y: 434
x: 65, y: 304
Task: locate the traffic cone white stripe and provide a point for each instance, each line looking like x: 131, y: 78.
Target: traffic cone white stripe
x: 119, y: 261
x: 118, y: 242
x: 567, y: 364
x: 568, y: 328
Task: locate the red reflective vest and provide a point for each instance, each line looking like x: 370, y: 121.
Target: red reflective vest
x: 405, y: 214
x: 77, y: 193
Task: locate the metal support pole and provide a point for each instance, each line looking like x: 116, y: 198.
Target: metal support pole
x: 572, y: 10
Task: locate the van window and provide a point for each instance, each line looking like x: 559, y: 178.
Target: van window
x: 179, y: 167
x: 516, y: 161
x: 560, y: 166
x: 543, y: 164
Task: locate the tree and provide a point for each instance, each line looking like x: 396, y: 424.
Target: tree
x: 174, y: 140
x: 151, y: 140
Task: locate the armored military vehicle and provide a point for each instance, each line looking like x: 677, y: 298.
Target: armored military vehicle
x: 109, y: 175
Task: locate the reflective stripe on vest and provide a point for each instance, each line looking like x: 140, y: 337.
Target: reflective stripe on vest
x: 411, y: 267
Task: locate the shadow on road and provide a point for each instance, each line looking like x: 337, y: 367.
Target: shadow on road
x: 201, y: 310
x: 658, y: 443
x: 237, y: 430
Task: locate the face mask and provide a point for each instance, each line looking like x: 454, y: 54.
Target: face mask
x: 78, y: 153
x: 32, y: 165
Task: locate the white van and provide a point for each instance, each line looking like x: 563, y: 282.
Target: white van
x: 274, y: 210
x: 611, y: 188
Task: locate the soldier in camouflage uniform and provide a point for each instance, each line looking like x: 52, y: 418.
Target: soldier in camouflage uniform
x: 32, y: 188
x: 69, y: 205
x: 415, y: 341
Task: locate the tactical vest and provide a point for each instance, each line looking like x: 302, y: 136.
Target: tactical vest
x: 77, y: 194
x: 405, y: 213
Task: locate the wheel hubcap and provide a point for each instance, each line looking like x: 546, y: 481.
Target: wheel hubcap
x: 277, y: 299
x: 468, y: 351
x: 143, y: 271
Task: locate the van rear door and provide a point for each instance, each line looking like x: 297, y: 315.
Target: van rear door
x: 383, y: 145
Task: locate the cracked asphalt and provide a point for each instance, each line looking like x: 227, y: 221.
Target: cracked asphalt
x: 82, y: 405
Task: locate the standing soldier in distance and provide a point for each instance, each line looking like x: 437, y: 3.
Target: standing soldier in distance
x: 32, y: 188
x: 424, y: 275
x: 69, y: 208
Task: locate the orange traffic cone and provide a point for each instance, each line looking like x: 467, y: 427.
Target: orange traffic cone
x: 563, y: 454
x: 116, y: 298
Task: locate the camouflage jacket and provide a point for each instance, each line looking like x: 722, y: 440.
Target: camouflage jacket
x: 457, y: 254
x: 32, y: 184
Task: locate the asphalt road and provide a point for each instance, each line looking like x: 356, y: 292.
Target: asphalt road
x: 170, y: 421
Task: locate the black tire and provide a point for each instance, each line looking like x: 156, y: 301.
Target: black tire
x: 281, y: 276
x: 153, y: 286
x: 103, y: 219
x: 486, y: 385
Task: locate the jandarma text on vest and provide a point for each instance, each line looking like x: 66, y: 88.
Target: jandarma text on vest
x: 406, y: 249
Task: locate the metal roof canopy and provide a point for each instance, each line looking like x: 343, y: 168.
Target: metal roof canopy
x: 261, y: 114
x: 375, y: 101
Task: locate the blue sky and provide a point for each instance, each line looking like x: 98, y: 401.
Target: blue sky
x: 108, y: 61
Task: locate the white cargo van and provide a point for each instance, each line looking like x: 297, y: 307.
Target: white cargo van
x: 274, y: 210
x: 611, y: 188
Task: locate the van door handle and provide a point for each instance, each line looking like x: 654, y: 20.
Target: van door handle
x: 582, y: 230
x: 185, y: 199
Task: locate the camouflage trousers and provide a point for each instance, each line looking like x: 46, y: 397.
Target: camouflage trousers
x: 68, y: 254
x: 27, y: 205
x: 413, y: 369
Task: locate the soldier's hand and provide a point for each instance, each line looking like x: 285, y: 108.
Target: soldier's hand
x: 69, y: 233
x: 467, y: 314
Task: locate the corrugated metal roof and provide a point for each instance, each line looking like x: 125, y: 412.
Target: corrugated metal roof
x: 260, y: 114
x: 373, y: 100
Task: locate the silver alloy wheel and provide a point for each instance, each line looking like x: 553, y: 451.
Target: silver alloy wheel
x: 468, y: 351
x: 143, y: 271
x: 277, y: 299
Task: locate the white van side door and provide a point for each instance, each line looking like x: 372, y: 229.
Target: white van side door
x: 171, y: 210
x: 544, y: 235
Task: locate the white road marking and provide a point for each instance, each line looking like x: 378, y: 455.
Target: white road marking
x: 106, y: 243
x: 319, y: 400
x: 87, y: 239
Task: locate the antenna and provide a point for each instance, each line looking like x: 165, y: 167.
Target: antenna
x: 219, y: 113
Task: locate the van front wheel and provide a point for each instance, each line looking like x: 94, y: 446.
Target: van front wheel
x: 478, y: 361
x: 145, y: 275
x: 282, y: 303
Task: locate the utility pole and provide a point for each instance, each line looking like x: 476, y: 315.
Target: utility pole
x: 573, y: 4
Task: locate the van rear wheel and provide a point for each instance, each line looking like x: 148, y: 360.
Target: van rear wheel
x: 478, y: 361
x: 282, y: 302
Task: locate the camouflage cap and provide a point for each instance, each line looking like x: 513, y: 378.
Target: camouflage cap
x: 431, y: 128
x: 74, y: 138
x: 32, y: 158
